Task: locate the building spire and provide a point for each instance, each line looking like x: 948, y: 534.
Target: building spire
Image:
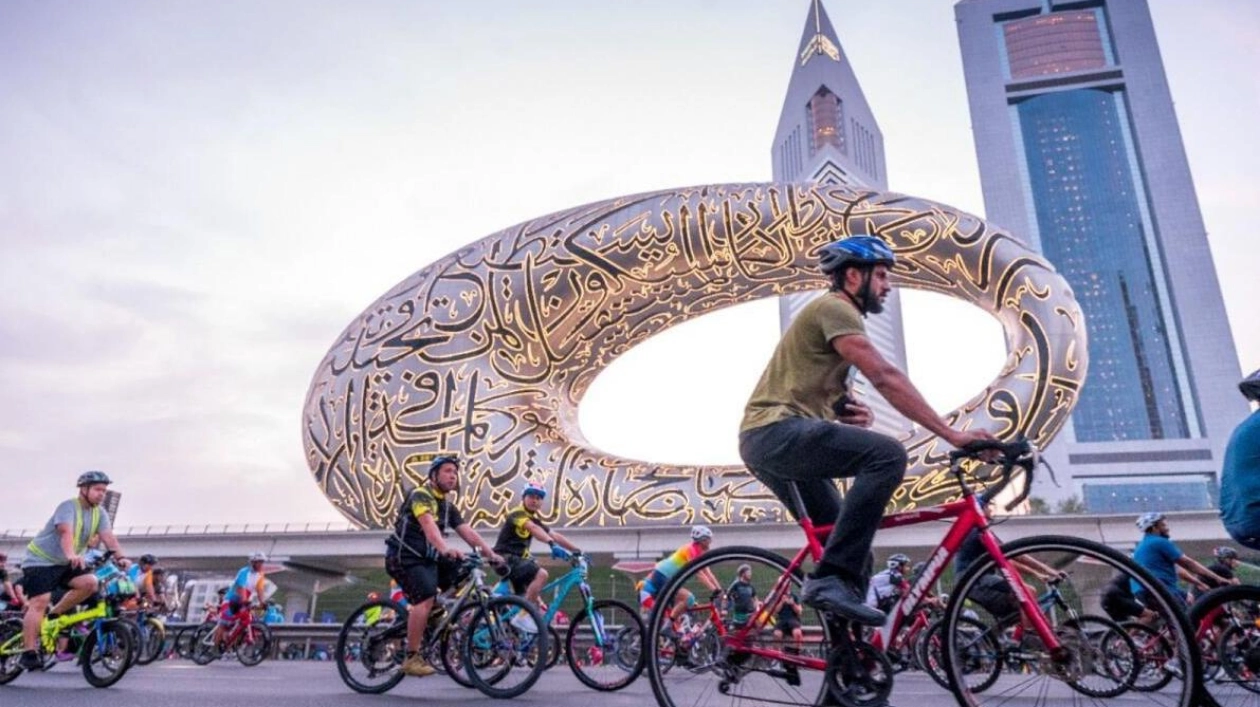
x: 821, y: 41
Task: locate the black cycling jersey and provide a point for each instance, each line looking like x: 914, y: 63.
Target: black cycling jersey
x: 407, y: 542
x: 514, y: 539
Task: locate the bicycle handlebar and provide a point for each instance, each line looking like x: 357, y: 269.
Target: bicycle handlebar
x: 1019, y: 453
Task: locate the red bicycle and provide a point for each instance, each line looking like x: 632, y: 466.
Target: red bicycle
x: 1071, y: 658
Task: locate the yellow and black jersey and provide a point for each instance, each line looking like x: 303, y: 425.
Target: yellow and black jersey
x: 408, y: 541
x: 514, y: 539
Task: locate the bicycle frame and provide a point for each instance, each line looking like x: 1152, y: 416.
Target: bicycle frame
x: 967, y: 515
x: 560, y: 588
x: 95, y: 616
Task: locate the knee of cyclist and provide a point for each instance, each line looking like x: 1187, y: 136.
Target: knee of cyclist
x: 541, y: 576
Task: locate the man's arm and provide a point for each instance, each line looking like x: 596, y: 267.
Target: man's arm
x: 898, y: 390
x: 538, y: 533
x: 1193, y: 565
x: 111, y: 543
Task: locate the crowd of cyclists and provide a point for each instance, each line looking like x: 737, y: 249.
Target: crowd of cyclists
x: 803, y: 428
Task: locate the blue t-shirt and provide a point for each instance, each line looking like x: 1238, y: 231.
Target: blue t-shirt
x: 1240, y: 482
x: 1159, y: 556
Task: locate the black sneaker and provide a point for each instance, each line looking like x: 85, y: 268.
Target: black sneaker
x: 30, y: 661
x: 834, y: 595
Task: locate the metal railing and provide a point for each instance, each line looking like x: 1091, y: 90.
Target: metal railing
x: 212, y: 529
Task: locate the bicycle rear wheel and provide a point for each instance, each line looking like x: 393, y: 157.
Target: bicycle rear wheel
x: 107, y: 652
x: 1062, y: 676
x: 498, y: 641
x: 604, y: 646
x: 1231, y: 616
x: 371, y: 646
x: 706, y: 670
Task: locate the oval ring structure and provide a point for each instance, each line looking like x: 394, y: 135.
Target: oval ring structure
x: 487, y: 352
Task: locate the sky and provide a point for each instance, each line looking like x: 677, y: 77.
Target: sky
x: 196, y: 198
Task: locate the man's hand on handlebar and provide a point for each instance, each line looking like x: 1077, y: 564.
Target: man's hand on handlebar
x: 962, y: 438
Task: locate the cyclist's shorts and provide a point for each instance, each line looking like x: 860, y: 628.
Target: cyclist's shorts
x: 40, y: 580
x: 1121, y: 606
x: 422, y: 579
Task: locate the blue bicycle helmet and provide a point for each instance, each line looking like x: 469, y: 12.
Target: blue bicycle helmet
x: 534, y: 490
x: 859, y: 250
x: 88, y: 478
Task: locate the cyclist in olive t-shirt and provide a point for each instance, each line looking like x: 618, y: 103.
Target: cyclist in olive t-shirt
x: 802, y: 425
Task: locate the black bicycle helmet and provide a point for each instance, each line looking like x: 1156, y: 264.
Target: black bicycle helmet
x: 1250, y: 386
x: 88, y: 478
x: 439, y: 461
x: 1225, y: 552
x: 148, y: 560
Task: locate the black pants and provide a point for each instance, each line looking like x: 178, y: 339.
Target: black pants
x: 813, y: 452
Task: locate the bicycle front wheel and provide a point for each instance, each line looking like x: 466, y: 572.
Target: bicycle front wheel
x: 498, y: 642
x: 153, y: 640
x: 107, y: 652
x: 1229, y: 620
x: 604, y: 646
x: 371, y: 646
x: 255, y: 645
x: 708, y: 671
x: 1091, y: 658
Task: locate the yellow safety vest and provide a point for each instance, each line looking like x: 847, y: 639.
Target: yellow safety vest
x: 80, y: 542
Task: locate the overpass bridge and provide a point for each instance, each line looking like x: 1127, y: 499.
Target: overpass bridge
x: 315, y: 557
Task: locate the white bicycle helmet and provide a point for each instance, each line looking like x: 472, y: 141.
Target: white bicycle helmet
x: 258, y: 557
x: 1147, y: 520
x: 701, y: 532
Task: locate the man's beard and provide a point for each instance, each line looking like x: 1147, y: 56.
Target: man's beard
x: 874, y: 305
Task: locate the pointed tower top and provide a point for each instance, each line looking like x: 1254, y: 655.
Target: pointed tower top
x: 819, y: 37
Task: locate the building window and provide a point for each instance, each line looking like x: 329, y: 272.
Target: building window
x: 1056, y: 43
x: 826, y: 121
x: 1088, y: 211
x: 1164, y: 496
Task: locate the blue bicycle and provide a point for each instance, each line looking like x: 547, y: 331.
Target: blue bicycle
x: 604, y: 642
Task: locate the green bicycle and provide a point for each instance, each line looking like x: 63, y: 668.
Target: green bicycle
x: 103, y: 646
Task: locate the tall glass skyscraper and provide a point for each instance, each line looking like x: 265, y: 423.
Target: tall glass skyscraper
x: 827, y: 134
x: 1080, y: 154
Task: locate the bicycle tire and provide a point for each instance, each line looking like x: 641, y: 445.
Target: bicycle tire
x: 495, y: 649
x: 137, y: 636
x: 1154, y: 650
x: 378, y: 647
x: 107, y: 653
x: 253, y: 653
x: 733, y: 677
x: 1237, y: 647
x: 603, y: 667
x: 451, y: 646
x: 1114, y: 653
x: 9, y: 666
x: 203, y: 650
x: 982, y: 645
x: 1052, y: 682
x: 153, y: 638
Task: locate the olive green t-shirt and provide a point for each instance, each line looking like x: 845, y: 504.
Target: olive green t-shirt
x: 805, y: 375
